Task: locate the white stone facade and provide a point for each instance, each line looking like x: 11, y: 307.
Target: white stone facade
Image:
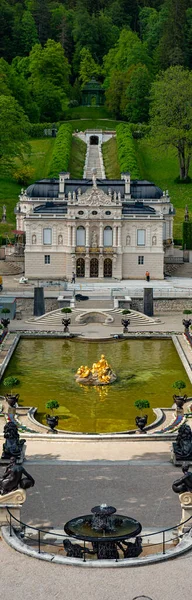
x: 94, y: 233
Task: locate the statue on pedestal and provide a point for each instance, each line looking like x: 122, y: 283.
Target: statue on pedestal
x: 13, y: 478
x: 184, y: 484
x: 4, y: 215
x: 182, y: 447
x: 12, y: 446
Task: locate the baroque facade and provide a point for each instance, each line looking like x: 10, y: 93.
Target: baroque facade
x: 95, y: 228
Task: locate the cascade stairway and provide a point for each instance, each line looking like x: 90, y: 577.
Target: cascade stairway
x: 54, y: 318
x: 94, y: 162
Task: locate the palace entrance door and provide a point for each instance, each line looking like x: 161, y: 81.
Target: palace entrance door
x: 107, y: 267
x: 80, y: 267
x: 94, y: 267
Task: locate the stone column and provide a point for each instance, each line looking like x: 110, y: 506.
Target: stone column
x: 119, y: 236
x: 69, y: 236
x: 148, y: 302
x: 73, y: 236
x: 114, y: 236
x: 39, y: 304
x: 101, y: 235
x: 100, y: 266
x: 87, y: 266
x: 87, y: 236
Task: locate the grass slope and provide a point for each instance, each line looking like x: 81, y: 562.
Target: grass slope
x: 41, y: 153
x: 77, y: 158
x: 110, y: 159
x: 88, y: 112
x: 161, y: 166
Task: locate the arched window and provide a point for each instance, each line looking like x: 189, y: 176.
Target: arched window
x: 108, y: 236
x: 80, y: 236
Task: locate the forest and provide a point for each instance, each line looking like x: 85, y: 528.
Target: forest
x: 49, y: 50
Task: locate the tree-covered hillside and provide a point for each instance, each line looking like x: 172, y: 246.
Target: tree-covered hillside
x: 49, y: 49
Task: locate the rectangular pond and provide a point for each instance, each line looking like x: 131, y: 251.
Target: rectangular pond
x: 146, y: 369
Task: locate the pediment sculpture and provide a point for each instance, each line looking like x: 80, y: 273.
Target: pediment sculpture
x: 95, y: 197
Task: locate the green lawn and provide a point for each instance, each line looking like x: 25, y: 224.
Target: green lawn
x: 41, y: 153
x: 77, y: 158
x: 161, y: 166
x: 112, y: 169
x: 88, y: 112
x: 82, y: 124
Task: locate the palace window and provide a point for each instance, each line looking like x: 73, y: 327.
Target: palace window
x: 47, y: 236
x: 141, y: 237
x: 80, y: 239
x: 47, y: 259
x: 108, y: 237
x: 140, y: 260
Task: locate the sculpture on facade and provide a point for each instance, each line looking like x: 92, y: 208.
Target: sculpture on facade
x: 182, y: 447
x: 13, y: 478
x: 99, y: 374
x: 184, y: 484
x: 94, y: 241
x: 12, y: 446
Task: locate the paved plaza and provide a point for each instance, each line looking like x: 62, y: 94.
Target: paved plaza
x: 72, y: 476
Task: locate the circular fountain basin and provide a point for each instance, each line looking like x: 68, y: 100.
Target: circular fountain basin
x: 123, y: 528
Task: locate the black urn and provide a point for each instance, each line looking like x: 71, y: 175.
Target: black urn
x: 5, y: 322
x: 52, y: 421
x: 141, y: 422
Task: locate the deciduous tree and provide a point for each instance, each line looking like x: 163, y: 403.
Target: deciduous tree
x: 171, y: 114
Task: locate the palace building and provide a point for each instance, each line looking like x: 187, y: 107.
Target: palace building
x: 95, y: 227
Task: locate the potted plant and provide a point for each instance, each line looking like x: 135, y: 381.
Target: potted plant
x: 52, y: 420
x: 141, y: 420
x: 179, y: 400
x: 5, y: 322
x: 10, y: 382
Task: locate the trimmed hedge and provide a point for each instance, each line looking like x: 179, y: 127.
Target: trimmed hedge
x: 36, y: 130
x: 187, y: 235
x: 126, y: 151
x: 62, y: 151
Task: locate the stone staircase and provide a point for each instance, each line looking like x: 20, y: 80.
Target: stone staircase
x: 94, y: 161
x: 11, y: 268
x: 54, y: 318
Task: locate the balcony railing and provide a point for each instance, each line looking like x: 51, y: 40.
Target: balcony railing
x: 80, y: 249
x: 108, y: 250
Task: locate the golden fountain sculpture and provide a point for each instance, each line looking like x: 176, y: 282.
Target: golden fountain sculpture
x: 99, y: 374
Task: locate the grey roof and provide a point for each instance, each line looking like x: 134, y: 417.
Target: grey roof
x: 145, y: 190
x: 49, y: 188
x: 51, y: 208
x: 45, y: 188
x: 138, y: 208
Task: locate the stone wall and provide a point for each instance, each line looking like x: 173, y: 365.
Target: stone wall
x: 24, y: 306
x: 163, y: 305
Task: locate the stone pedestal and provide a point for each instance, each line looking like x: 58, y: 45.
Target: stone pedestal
x: 13, y: 501
x: 186, y: 508
x: 148, y: 302
x: 39, y: 304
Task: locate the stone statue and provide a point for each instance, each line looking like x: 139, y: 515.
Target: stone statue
x: 13, y: 478
x: 184, y: 484
x: 12, y: 446
x: 186, y: 216
x: 132, y: 548
x: 182, y: 447
x: 94, y: 239
x: 4, y: 215
x: 75, y: 550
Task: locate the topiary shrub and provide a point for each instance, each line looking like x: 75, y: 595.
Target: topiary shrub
x: 187, y: 312
x: 125, y: 311
x: 66, y: 309
x: 141, y: 404
x: 62, y: 151
x: 52, y: 404
x: 126, y: 151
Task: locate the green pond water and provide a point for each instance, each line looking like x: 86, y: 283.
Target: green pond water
x: 145, y: 369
